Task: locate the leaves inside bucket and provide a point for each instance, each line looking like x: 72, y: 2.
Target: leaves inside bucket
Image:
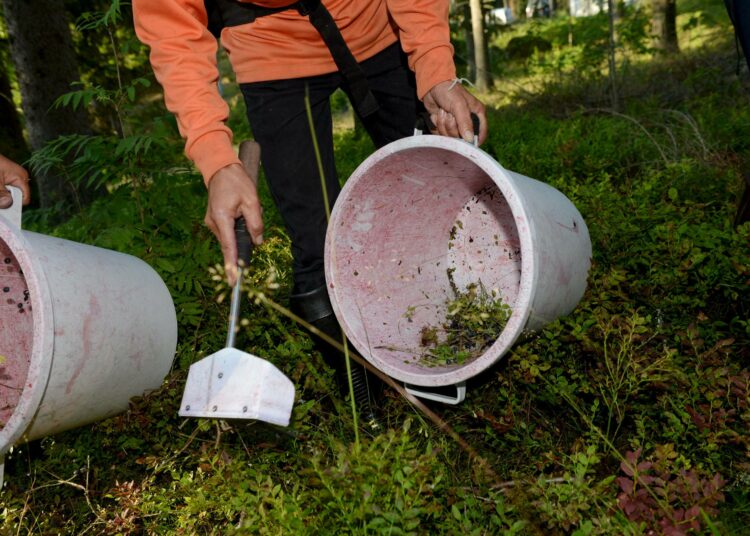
x: 474, y: 319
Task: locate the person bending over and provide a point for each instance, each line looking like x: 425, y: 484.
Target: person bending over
x: 393, y: 58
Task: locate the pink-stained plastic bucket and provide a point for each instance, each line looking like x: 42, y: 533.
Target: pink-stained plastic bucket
x: 82, y: 330
x: 426, y: 205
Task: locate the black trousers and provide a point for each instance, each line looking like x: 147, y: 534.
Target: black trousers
x: 278, y: 118
x: 739, y: 13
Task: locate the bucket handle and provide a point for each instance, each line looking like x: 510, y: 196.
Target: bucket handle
x: 13, y: 212
x: 424, y: 392
x: 424, y: 123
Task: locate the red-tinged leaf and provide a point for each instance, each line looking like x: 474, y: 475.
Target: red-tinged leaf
x: 646, y: 479
x: 626, y: 468
x: 723, y: 342
x: 690, y: 481
x: 678, y: 514
x: 693, y: 512
x: 644, y: 466
x: 630, y: 462
x: 671, y: 530
x: 628, y: 506
x: 740, y: 382
x: 626, y: 484
x: 698, y: 420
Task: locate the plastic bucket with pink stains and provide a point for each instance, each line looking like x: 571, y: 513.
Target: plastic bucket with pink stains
x: 427, y: 214
x: 82, y: 331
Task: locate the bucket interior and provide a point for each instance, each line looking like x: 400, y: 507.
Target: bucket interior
x: 16, y: 332
x: 408, y: 225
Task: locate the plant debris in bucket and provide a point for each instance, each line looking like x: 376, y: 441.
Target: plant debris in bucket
x: 473, y: 321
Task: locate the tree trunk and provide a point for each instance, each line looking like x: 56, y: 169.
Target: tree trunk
x: 664, y: 25
x: 483, y: 81
x: 612, y: 59
x: 42, y: 52
x: 518, y: 8
x: 12, y: 143
x: 471, y: 65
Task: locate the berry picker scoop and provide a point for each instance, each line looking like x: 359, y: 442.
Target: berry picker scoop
x: 232, y: 384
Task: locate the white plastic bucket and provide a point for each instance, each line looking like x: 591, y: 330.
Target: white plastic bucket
x: 426, y: 204
x: 82, y: 330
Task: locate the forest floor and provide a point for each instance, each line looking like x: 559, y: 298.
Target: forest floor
x: 631, y: 415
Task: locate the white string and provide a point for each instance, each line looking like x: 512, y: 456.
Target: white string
x: 460, y: 81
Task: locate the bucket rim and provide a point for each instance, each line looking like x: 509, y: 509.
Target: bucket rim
x: 522, y: 307
x: 40, y: 361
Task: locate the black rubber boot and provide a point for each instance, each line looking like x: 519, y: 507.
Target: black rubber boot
x: 315, y: 308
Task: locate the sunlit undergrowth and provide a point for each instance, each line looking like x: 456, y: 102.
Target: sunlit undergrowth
x: 629, y: 415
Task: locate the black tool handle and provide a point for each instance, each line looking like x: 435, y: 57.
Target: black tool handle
x: 475, y: 123
x: 424, y: 124
x: 244, y: 242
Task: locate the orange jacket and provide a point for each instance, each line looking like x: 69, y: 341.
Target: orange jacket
x: 280, y: 46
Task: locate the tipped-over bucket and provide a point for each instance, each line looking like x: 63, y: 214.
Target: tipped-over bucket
x: 427, y: 210
x: 82, y: 330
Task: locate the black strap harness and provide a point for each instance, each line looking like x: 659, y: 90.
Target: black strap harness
x: 225, y: 13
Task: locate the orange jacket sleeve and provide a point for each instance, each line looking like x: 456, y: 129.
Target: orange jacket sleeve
x: 425, y: 37
x: 183, y: 56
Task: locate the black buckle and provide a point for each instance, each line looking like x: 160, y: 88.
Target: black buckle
x: 305, y: 7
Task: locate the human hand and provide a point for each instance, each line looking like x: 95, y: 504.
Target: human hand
x: 450, y: 107
x: 231, y: 194
x: 11, y: 174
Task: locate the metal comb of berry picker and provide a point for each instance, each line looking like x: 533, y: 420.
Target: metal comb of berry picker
x: 232, y: 384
